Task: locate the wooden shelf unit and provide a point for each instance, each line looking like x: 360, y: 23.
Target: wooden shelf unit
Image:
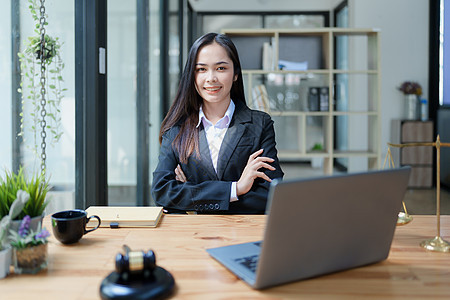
x: 298, y: 127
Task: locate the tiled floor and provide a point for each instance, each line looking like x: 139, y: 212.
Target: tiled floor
x: 417, y: 201
x: 423, y: 201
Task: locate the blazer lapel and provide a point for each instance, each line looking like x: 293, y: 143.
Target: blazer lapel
x: 205, y: 155
x: 233, y: 135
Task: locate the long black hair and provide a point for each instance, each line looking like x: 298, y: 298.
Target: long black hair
x: 186, y: 106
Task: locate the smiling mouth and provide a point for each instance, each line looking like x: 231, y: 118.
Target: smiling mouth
x: 212, y: 89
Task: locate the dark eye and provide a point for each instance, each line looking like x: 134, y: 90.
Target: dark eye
x: 221, y: 68
x: 201, y: 69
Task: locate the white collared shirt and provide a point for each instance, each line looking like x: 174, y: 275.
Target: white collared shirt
x: 215, y: 135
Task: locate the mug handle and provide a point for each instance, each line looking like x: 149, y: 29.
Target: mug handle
x: 87, y: 221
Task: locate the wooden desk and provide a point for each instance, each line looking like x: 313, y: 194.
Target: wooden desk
x: 76, y: 271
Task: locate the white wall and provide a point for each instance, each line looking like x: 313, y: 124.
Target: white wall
x: 404, y: 50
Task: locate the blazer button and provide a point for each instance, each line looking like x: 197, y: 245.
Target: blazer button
x: 211, y: 206
x: 216, y: 206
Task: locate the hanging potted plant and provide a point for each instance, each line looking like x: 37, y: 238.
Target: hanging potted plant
x: 5, y: 248
x: 41, y: 86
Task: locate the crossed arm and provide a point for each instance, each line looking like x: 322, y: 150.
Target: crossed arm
x: 251, y: 171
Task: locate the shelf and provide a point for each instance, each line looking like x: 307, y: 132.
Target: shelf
x: 295, y: 154
x: 307, y: 31
x: 354, y: 153
x: 338, y: 71
x: 264, y: 72
x: 310, y: 154
x: 355, y: 113
x: 299, y: 113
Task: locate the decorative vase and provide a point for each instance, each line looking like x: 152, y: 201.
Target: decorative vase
x: 30, y: 260
x: 5, y: 261
x: 411, y: 107
x: 34, y: 223
x: 316, y: 162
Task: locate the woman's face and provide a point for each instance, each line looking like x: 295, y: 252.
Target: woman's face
x: 214, y: 74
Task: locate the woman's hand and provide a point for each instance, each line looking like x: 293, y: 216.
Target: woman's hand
x: 179, y: 175
x: 254, y: 163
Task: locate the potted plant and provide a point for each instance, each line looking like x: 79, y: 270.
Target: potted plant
x: 41, y: 85
x: 37, y: 187
x: 317, y: 162
x: 5, y: 248
x: 412, y: 92
x: 29, y: 247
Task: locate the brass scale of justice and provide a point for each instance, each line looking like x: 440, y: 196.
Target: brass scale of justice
x: 437, y: 243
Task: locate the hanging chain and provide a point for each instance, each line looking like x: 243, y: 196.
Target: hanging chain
x: 43, y: 91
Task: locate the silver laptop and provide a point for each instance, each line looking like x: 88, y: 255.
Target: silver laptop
x: 319, y: 226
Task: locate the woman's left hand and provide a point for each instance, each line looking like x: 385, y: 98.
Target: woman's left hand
x: 252, y: 171
x: 179, y: 174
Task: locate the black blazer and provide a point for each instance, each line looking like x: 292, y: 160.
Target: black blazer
x: 208, y: 192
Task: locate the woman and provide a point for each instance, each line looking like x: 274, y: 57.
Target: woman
x: 217, y: 155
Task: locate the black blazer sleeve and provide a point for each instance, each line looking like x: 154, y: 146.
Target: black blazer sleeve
x: 256, y: 198
x: 198, y: 193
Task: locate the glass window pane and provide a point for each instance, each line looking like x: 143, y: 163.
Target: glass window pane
x: 155, y: 107
x: 5, y: 87
x: 60, y: 155
x: 174, y: 49
x: 121, y: 102
x: 342, y: 17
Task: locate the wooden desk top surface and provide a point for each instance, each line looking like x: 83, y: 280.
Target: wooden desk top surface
x: 76, y: 271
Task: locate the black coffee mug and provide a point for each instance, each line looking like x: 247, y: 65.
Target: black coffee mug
x: 69, y: 226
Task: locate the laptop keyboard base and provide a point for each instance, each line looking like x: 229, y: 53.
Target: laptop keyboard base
x: 250, y: 262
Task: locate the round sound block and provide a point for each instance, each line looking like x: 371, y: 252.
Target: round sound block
x: 159, y: 285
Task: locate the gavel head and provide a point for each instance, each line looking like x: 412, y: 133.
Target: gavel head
x: 135, y: 262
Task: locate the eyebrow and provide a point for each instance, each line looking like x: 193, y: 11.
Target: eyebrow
x: 217, y: 63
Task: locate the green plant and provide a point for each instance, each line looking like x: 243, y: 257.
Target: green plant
x: 9, y: 186
x: 317, y: 147
x: 37, y: 187
x: 31, y: 86
x: 16, y: 208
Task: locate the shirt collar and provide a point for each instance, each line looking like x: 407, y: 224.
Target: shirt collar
x: 228, y: 115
